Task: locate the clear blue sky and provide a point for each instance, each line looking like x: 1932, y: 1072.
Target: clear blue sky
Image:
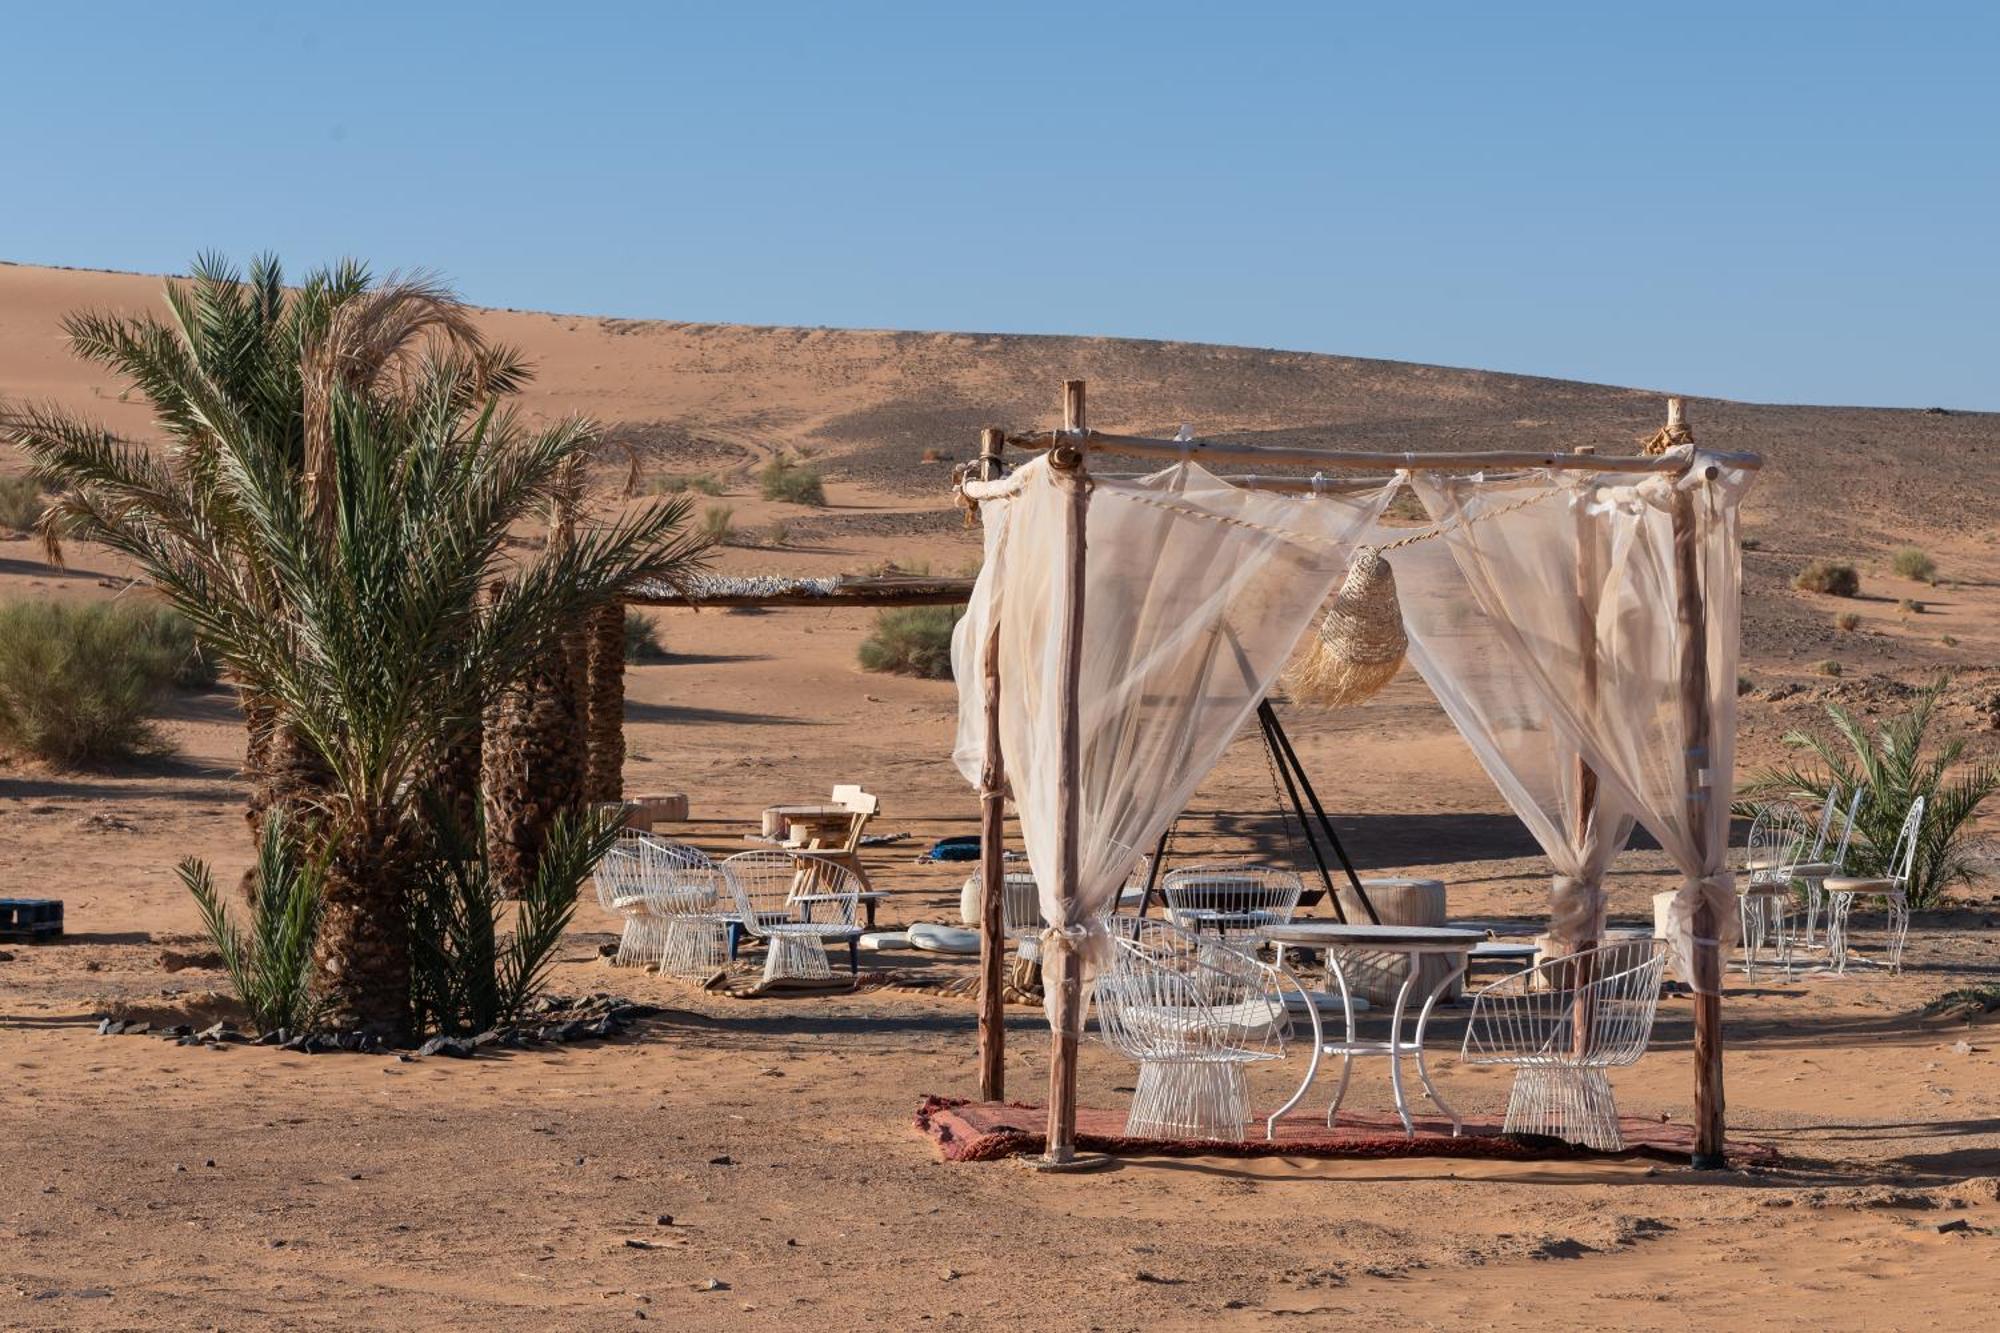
x: 1786, y: 203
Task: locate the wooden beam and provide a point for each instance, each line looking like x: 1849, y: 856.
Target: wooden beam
x: 856, y: 590
x: 1698, y: 734
x: 992, y: 846
x: 1068, y: 979
x: 1212, y: 452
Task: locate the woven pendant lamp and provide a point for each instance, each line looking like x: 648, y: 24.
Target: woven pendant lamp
x: 1359, y: 643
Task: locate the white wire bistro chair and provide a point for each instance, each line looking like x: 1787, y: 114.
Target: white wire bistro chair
x: 1233, y: 901
x: 1195, y: 1013
x: 625, y: 889
x: 1819, y: 864
x: 796, y: 902
x: 1780, y: 837
x: 1561, y: 1024
x: 694, y: 898
x: 1892, y: 888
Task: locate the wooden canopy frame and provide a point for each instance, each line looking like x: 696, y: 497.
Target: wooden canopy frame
x: 1068, y: 450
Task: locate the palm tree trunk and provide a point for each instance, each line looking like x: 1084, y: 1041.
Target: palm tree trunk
x: 285, y: 772
x: 604, y: 723
x: 362, y: 954
x: 533, y: 767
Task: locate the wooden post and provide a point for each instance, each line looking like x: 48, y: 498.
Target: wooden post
x: 1697, y: 729
x: 992, y: 848
x: 1067, y: 981
x: 1587, y: 578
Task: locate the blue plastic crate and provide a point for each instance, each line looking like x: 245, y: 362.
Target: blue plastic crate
x: 28, y: 919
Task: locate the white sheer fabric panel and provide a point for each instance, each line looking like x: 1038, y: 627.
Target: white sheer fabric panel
x: 1522, y: 569
x: 1469, y: 660
x: 1196, y: 593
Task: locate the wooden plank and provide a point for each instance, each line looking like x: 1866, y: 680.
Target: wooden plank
x: 861, y: 591
x: 992, y: 845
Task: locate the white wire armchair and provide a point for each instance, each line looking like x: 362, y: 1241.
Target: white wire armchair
x: 694, y: 900
x: 1195, y: 1013
x: 1780, y: 839
x: 1891, y: 887
x: 1231, y: 900
x: 796, y: 902
x: 1562, y: 1024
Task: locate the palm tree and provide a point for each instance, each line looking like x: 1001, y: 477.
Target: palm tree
x: 268, y: 358
x: 360, y: 609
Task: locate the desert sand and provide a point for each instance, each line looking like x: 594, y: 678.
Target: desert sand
x: 150, y: 1185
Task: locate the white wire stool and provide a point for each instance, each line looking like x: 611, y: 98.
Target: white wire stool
x: 1195, y: 1013
x: 1562, y: 1024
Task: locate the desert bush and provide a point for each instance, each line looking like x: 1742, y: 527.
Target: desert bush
x: 792, y: 480
x: 717, y: 524
x: 1895, y: 765
x: 1910, y: 562
x: 1910, y: 606
x: 912, y: 641
x: 194, y: 666
x: 270, y: 967
x: 1836, y: 578
x: 642, y: 638
x: 79, y: 681
x: 1753, y: 543
x: 1847, y: 622
x: 20, y: 502
x: 1948, y: 640
x: 1829, y: 667
x: 778, y: 533
x: 707, y: 483
x: 465, y: 975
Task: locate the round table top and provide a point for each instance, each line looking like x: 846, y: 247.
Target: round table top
x: 1325, y: 934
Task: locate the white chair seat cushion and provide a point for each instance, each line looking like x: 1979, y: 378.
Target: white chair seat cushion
x: 1245, y: 1023
x: 878, y: 941
x: 1851, y: 884
x: 1327, y: 1002
x: 933, y: 938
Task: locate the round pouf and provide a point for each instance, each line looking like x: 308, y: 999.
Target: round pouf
x: 1399, y: 902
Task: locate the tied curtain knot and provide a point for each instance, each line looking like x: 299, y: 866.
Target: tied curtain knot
x: 1576, y: 909
x: 1716, y: 892
x: 1089, y: 946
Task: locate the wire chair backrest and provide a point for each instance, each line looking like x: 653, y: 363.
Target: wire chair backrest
x: 1170, y: 994
x: 781, y: 888
x: 1904, y: 858
x: 620, y: 873
x: 682, y: 878
x: 1020, y: 904
x: 1853, y: 811
x: 1778, y: 839
x: 1826, y: 813
x: 1231, y: 897
x: 1609, y: 994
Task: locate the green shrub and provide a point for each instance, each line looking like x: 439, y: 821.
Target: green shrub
x: 778, y: 533
x: 792, y: 480
x: 1827, y: 668
x: 1894, y: 766
x: 642, y: 638
x: 1948, y: 640
x: 912, y: 641
x: 1910, y: 562
x: 1847, y: 622
x: 78, y: 680
x: 195, y: 667
x: 1836, y: 578
x: 717, y: 525
x: 270, y: 968
x: 20, y: 502
x: 1910, y: 606
x: 705, y: 482
x: 465, y: 976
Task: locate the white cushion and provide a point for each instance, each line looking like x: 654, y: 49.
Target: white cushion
x: 877, y: 941
x: 934, y: 938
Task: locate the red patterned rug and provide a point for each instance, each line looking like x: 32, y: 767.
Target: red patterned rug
x: 966, y: 1131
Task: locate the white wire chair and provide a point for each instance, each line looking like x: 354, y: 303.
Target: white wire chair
x: 1893, y: 888
x: 796, y: 902
x: 1195, y: 1013
x: 625, y: 885
x: 1561, y: 1024
x: 1818, y: 864
x: 1231, y: 900
x: 1780, y: 837
x: 693, y: 897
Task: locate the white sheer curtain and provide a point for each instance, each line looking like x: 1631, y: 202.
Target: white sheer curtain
x: 1196, y: 593
x: 1523, y: 561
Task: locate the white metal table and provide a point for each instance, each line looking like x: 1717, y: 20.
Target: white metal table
x: 1415, y: 943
